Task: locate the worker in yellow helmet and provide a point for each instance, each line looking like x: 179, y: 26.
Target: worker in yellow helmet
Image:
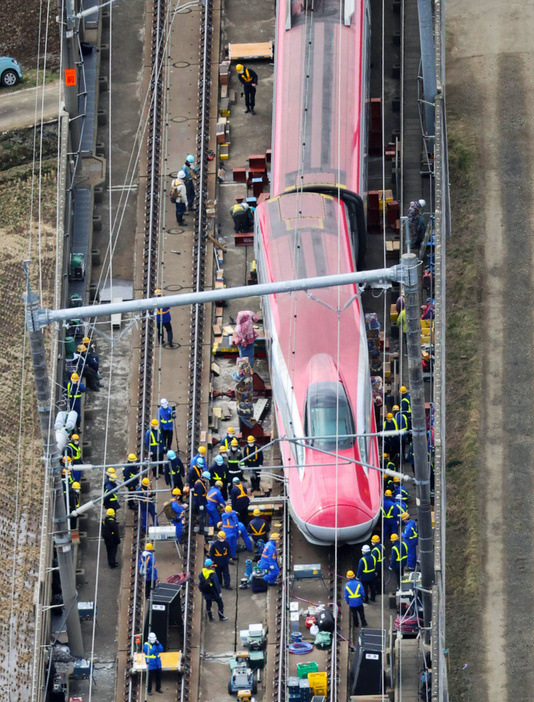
x: 163, y: 322
x: 130, y: 470
x: 354, y: 597
x: 253, y: 456
x: 74, y: 391
x: 110, y: 534
x: 249, y: 80
x: 155, y: 445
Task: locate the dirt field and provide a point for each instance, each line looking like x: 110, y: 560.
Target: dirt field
x: 21, y: 484
x: 490, y: 289
x: 21, y: 20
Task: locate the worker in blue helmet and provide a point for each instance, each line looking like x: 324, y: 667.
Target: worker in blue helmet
x: 190, y: 170
x: 174, y: 471
x: 218, y: 473
x: 209, y: 586
x: 196, y: 470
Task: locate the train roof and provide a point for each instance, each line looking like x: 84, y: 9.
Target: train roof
x: 319, y: 92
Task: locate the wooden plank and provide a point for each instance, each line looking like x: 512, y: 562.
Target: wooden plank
x: 263, y: 49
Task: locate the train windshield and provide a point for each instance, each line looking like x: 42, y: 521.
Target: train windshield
x: 328, y: 415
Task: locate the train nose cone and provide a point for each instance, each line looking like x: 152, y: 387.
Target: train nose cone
x: 340, y: 516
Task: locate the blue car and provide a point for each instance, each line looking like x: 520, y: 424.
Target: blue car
x: 10, y: 71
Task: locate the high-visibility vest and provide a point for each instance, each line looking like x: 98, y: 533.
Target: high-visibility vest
x: 414, y: 533
x: 78, y: 392
x: 212, y: 496
x: 394, y: 424
x: 406, y: 405
x: 354, y: 594
x: 76, y: 451
x: 258, y: 532
x: 388, y: 515
x: 378, y: 553
x: 246, y: 75
x: 223, y: 551
x: 242, y: 493
x: 153, y: 440
x: 366, y: 568
x: 404, y: 549
x: 151, y: 648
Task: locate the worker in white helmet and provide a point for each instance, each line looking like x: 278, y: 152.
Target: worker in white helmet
x: 178, y: 196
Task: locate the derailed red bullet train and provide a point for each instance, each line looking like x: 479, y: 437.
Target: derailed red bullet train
x: 314, y: 225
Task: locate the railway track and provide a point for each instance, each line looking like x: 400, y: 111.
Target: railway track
x: 162, y: 17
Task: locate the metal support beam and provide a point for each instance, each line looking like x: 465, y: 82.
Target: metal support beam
x: 420, y: 451
x: 53, y: 467
x: 379, y: 276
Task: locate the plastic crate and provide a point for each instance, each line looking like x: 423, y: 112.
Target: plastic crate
x: 304, y: 668
x: 318, y: 683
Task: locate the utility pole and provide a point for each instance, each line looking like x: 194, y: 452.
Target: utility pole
x: 62, y: 539
x: 410, y: 264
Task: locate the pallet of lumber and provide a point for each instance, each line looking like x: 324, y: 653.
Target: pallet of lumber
x: 256, y: 50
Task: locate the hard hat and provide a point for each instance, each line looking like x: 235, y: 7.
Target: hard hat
x: 275, y: 536
x: 86, y: 340
x: 396, y: 479
x: 366, y: 548
x: 405, y: 516
x: 190, y: 158
x: 171, y: 454
x: 222, y: 449
x: 395, y: 408
x: 202, y: 450
x: 145, y: 482
x: 176, y: 491
x: 236, y: 480
x: 234, y: 442
x: 157, y: 292
x: 81, y: 348
x: 208, y: 562
x: 164, y: 402
x: 200, y: 462
x: 206, y: 475
x: 111, y: 471
x: 218, y: 483
x: 422, y: 203
x: 385, y: 455
x: 250, y: 439
x: 152, y: 638
x: 257, y: 513
x: 132, y: 457
x: 221, y: 534
x: 399, y: 498
x: 110, y: 512
x: 350, y: 574
x: 389, y: 415
x: 388, y: 493
x: 228, y: 508
x: 66, y: 459
x: 154, y: 423
x: 219, y: 460
x: 181, y: 174
x: 239, y: 68
x: 403, y: 389
x: 149, y: 547
x: 76, y: 486
x: 394, y: 537
x: 75, y: 437
x: 230, y: 430
x: 375, y: 539
x: 75, y: 377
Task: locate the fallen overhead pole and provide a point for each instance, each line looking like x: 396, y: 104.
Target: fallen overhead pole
x: 44, y: 317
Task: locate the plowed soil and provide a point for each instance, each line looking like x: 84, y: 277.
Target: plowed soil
x: 19, y: 35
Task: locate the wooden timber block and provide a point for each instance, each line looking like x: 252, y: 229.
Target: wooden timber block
x: 244, y: 239
x: 216, y: 330
x: 217, y: 412
x: 224, y: 91
x: 239, y: 175
x: 225, y: 409
x: 203, y: 437
x: 228, y: 330
x: 215, y: 368
x: 220, y: 274
x: 257, y: 162
x: 218, y: 311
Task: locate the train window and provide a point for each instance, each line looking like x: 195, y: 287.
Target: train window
x: 329, y: 415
